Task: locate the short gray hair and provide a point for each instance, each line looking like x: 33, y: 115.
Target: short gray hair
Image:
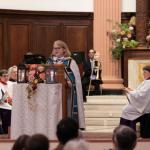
x: 124, y: 138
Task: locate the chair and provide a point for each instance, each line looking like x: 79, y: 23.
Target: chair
x: 96, y: 83
x: 95, y: 87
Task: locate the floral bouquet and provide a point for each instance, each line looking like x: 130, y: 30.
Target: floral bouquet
x: 122, y: 38
x: 6, y: 98
x: 36, y: 74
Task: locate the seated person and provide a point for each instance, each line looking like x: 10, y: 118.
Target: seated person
x: 76, y: 144
x: 67, y: 129
x: 124, y: 138
x: 37, y: 141
x: 92, y: 71
x: 20, y: 142
x: 139, y: 101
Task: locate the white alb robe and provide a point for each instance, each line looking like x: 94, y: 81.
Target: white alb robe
x: 139, y: 102
x: 4, y: 90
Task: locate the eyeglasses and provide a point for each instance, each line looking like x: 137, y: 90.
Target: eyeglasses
x: 91, y: 52
x: 56, y: 48
x: 5, y: 75
x: 14, y: 71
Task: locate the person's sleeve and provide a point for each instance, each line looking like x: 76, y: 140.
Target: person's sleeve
x: 139, y: 98
x: 0, y: 94
x: 87, y: 69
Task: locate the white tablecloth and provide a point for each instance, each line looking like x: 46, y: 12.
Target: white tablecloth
x: 40, y: 114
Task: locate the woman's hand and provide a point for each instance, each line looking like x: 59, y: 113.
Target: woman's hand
x: 69, y: 83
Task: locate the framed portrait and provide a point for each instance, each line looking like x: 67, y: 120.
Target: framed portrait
x: 135, y: 71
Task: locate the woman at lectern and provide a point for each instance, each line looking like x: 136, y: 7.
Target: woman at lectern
x: 61, y: 55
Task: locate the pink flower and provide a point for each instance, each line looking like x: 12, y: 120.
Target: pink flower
x: 31, y: 75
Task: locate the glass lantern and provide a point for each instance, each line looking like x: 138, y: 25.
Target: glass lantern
x: 21, y: 73
x: 50, y: 75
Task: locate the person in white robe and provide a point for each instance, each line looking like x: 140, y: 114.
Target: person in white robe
x: 12, y: 79
x: 5, y: 101
x: 139, y: 101
x: 61, y: 55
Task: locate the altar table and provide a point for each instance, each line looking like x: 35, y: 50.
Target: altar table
x: 40, y: 114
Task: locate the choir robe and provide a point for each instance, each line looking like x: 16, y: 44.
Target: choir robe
x: 139, y: 102
x: 4, y: 95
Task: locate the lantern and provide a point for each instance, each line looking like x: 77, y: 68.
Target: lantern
x: 21, y: 73
x: 50, y: 75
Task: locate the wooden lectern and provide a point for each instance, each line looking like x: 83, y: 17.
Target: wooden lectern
x: 59, y: 77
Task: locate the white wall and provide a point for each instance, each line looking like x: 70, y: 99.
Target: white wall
x: 128, y: 5
x: 48, y: 5
x: 60, y: 5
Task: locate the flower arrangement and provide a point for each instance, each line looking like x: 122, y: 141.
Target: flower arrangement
x: 123, y: 37
x: 36, y: 74
x: 6, y: 98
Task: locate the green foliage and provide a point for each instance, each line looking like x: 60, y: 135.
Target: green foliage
x: 122, y: 38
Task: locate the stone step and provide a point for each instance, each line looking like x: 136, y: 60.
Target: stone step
x: 96, y: 132
x: 102, y: 121
x: 108, y: 129
x: 108, y: 97
x: 106, y: 101
x: 102, y: 114
x: 107, y: 107
x: 94, y: 135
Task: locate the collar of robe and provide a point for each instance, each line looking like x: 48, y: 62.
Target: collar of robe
x: 58, y: 59
x: 3, y: 82
x: 12, y: 80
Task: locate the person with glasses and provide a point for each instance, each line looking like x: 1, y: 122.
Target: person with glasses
x: 5, y: 101
x: 61, y: 55
x: 91, y: 75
